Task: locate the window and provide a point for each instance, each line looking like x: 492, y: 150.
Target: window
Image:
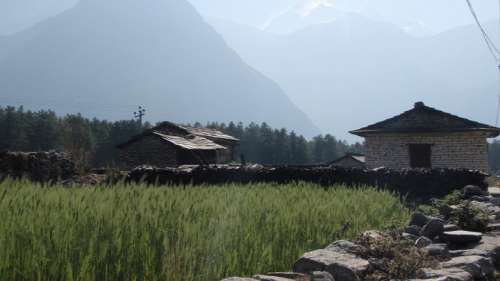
x: 420, y: 156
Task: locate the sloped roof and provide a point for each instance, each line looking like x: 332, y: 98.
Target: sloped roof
x: 201, y: 132
x: 425, y: 119
x: 191, y: 142
x: 356, y: 157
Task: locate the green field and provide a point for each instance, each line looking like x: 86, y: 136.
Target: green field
x: 190, y: 233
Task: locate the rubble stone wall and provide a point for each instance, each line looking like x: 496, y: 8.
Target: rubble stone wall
x: 36, y: 166
x: 417, y: 183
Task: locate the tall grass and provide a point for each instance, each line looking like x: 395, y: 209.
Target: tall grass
x: 191, y: 233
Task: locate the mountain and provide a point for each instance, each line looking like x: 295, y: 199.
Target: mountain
x: 105, y: 58
x: 355, y: 71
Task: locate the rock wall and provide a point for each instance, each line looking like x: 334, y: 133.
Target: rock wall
x: 36, y: 166
x: 450, y: 150
x: 416, y: 183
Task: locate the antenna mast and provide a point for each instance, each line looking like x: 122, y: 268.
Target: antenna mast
x: 139, y: 114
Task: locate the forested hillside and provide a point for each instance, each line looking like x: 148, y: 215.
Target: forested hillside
x: 92, y: 142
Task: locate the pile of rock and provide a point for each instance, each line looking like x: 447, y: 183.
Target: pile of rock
x: 456, y: 254
x: 36, y: 166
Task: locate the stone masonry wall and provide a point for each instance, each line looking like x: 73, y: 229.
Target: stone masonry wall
x: 150, y: 150
x: 449, y: 150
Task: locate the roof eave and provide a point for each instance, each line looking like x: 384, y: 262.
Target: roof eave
x: 492, y: 132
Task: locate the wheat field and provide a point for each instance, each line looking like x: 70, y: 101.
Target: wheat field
x: 135, y: 232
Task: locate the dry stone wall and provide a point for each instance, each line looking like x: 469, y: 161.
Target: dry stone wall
x: 36, y: 166
x: 449, y: 150
x: 416, y: 183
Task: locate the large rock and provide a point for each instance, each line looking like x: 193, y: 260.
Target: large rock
x: 346, y: 246
x: 437, y: 250
x: 423, y: 242
x: 418, y: 219
x: 479, y: 267
x: 289, y: 275
x: 413, y: 230
x: 461, y: 237
x: 432, y: 229
x: 473, y: 190
x: 238, y: 279
x: 273, y: 278
x: 455, y: 274
x: 491, y: 244
x: 321, y: 276
x: 339, y: 263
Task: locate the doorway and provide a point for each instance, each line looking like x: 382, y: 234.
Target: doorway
x: 420, y: 156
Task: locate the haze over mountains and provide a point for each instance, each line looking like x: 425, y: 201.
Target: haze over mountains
x: 345, y: 63
x: 104, y: 58
x: 355, y: 71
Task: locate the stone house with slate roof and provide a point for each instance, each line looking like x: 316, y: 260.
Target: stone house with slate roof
x: 424, y: 137
x: 171, y: 145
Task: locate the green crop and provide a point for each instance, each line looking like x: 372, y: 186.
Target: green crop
x: 177, y: 233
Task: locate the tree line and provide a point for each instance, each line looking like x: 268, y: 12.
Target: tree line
x: 92, y: 142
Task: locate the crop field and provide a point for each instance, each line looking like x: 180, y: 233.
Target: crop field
x: 177, y: 233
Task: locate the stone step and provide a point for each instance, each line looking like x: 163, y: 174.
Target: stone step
x: 494, y: 227
x: 494, y: 191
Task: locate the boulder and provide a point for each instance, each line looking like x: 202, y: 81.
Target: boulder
x: 479, y: 267
x: 238, y: 279
x: 346, y: 247
x: 437, y: 250
x: 451, y: 227
x: 289, y: 275
x: 469, y: 252
x: 272, y: 278
x: 409, y: 237
x: 473, y: 190
x: 321, y: 276
x: 491, y: 244
x: 418, y: 219
x: 339, y: 263
x: 455, y: 274
x: 413, y: 230
x: 493, y: 227
x: 494, y: 191
x: 432, y: 229
x: 461, y: 237
x: 423, y: 242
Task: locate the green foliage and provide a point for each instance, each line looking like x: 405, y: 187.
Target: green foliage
x: 398, y: 258
x: 177, y: 233
x: 467, y: 217
x: 93, y: 142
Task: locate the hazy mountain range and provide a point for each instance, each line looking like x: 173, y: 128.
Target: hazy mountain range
x: 104, y: 58
x: 355, y: 71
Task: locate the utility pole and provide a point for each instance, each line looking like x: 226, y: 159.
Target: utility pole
x: 140, y: 113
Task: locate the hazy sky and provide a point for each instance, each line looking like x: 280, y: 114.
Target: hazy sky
x: 437, y: 15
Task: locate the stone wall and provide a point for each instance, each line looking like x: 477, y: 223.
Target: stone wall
x: 149, y: 150
x: 36, y: 166
x: 416, y: 183
x: 450, y: 150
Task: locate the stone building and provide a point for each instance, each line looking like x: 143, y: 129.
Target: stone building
x: 170, y: 145
x: 424, y: 137
x: 350, y: 160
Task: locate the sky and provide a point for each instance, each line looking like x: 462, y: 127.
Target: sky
x: 436, y: 15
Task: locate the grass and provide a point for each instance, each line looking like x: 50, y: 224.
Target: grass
x: 183, y: 233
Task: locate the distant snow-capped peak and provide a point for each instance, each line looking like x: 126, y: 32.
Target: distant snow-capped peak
x: 307, y: 8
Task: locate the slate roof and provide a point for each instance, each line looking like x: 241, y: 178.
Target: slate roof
x: 425, y: 119
x: 357, y: 157
x: 201, y: 132
x: 191, y: 142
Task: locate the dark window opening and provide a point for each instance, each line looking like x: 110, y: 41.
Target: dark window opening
x: 420, y: 156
